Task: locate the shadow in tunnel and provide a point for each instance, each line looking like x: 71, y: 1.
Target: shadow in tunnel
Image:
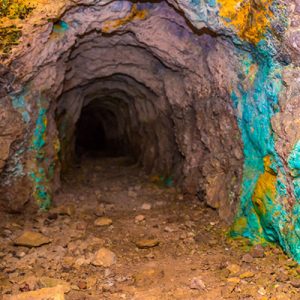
x: 96, y: 133
x: 90, y: 134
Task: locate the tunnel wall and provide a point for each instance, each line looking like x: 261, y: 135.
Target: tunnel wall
x: 220, y: 66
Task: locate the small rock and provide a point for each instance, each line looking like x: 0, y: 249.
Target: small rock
x: 103, y: 221
x: 132, y: 194
x: 197, y: 284
x: 258, y: 251
x: 31, y: 239
x: 48, y: 282
x: 262, y: 291
x: 282, y: 277
x: 24, y: 288
x: 81, y: 261
x: 292, y: 264
x: 108, y: 273
x: 169, y: 229
x: 67, y: 210
x: 67, y: 262
x: 146, y: 244
x: 247, y: 274
x: 247, y: 258
x: 104, y: 257
x: 31, y: 281
x: 180, y: 197
x: 234, y: 280
x: 52, y: 216
x: 82, y: 285
x: 139, y: 218
x: 20, y: 254
x: 296, y: 283
x: 146, y: 206
x: 99, y: 211
x: 233, y: 268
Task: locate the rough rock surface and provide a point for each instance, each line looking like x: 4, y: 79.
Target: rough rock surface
x: 202, y: 94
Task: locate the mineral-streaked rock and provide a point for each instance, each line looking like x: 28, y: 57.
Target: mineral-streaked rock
x: 31, y: 239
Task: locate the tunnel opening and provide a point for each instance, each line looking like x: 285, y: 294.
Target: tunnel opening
x: 122, y: 93
x: 90, y: 134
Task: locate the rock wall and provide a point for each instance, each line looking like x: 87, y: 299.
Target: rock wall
x: 201, y: 92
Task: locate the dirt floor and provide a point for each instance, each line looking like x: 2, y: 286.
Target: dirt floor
x: 115, y: 233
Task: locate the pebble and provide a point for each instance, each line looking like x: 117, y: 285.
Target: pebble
x: 145, y: 244
x: 247, y: 274
x: 132, y: 194
x: 169, y: 229
x: 247, y: 258
x: 139, y: 218
x: 296, y: 283
x: 99, y: 211
x: 31, y: 239
x: 282, y: 277
x: 20, y: 254
x: 48, y: 282
x: 262, y: 291
x: 234, y: 280
x: 66, y: 209
x: 104, y: 257
x: 233, y: 268
x: 257, y: 251
x: 103, y: 221
x: 197, y: 284
x: 146, y: 206
x: 82, y: 285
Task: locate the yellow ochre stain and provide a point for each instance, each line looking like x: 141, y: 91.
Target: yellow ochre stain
x: 250, y: 18
x: 135, y: 14
x: 265, y: 188
x: 240, y: 225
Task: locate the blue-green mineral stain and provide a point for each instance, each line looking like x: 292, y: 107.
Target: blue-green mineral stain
x: 60, y: 26
x: 38, y: 174
x: 263, y: 215
x: 294, y: 165
x: 19, y: 103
